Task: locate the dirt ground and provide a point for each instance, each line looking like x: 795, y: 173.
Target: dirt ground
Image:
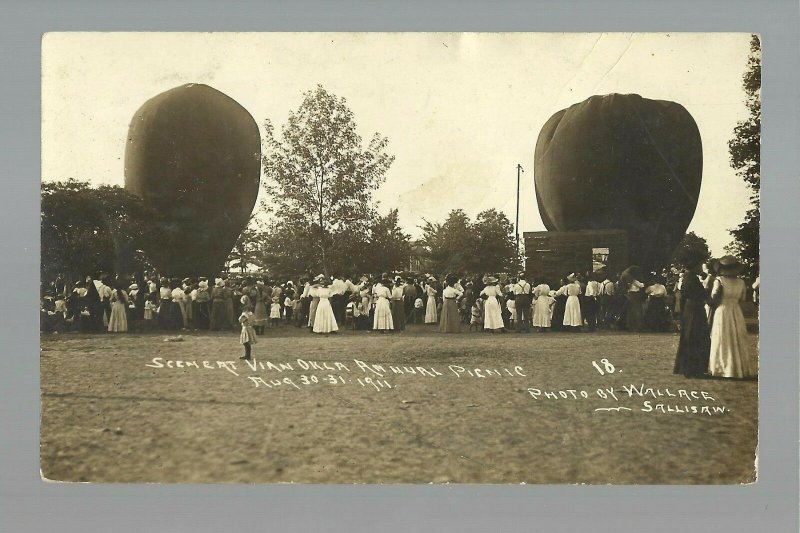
x: 120, y: 408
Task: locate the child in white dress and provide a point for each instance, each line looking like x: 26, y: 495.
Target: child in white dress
x: 275, y: 312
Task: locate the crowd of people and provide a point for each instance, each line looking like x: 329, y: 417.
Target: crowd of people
x: 588, y: 301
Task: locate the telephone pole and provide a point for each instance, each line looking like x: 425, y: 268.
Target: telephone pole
x: 516, y: 223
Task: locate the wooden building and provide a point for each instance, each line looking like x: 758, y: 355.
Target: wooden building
x: 552, y: 254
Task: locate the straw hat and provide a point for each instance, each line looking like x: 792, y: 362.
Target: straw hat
x: 490, y: 280
x: 133, y: 287
x: 572, y: 278
x: 203, y: 284
x: 218, y: 282
x: 728, y: 266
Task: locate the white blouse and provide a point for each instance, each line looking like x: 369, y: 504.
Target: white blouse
x: 382, y: 292
x: 451, y: 292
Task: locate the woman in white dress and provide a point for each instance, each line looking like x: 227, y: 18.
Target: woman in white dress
x: 383, y: 312
x: 492, y: 315
x: 431, y: 316
x: 572, y: 312
x: 313, y: 293
x: 324, y: 320
x: 541, y: 306
x: 730, y: 352
x: 118, y: 321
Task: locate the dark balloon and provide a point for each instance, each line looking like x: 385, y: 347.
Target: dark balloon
x: 621, y: 162
x: 194, y: 155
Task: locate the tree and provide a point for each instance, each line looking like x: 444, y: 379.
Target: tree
x: 691, y: 248
x: 745, y: 152
x: 87, y: 230
x: 448, y: 246
x: 459, y: 245
x: 320, y: 176
x: 496, y: 248
x: 388, y: 247
x: 249, y: 246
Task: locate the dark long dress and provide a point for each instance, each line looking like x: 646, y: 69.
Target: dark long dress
x: 398, y: 315
x: 449, y: 321
x: 656, y: 317
x: 559, y: 307
x: 220, y: 317
x: 634, y: 311
x: 694, y: 348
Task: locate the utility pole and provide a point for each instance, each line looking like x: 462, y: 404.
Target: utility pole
x: 516, y: 223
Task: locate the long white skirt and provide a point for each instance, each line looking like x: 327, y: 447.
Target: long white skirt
x: 730, y: 350
x: 324, y: 320
x: 541, y: 312
x: 431, y: 316
x: 383, y: 315
x: 492, y: 317
x: 572, y: 313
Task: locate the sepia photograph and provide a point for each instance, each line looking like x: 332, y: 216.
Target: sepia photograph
x: 400, y: 258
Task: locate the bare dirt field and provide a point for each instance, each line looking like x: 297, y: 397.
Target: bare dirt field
x: 134, y: 408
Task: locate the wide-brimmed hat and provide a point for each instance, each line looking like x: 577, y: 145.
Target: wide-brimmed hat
x: 319, y: 278
x: 572, y: 278
x: 728, y: 266
x: 218, y: 282
x: 490, y: 280
x: 203, y: 284
x: 133, y: 287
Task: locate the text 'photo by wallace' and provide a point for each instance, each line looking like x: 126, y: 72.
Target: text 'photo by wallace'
x: 506, y: 258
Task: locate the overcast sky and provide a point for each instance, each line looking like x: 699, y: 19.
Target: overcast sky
x: 460, y: 110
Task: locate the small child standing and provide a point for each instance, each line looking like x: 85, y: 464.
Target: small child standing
x: 288, y: 308
x: 248, y: 336
x: 275, y: 312
x: 418, y: 312
x: 149, y: 313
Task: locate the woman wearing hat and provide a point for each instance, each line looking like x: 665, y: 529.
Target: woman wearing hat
x: 118, y: 321
x: 431, y: 316
x: 450, y: 321
x: 382, y: 320
x: 313, y: 293
x: 219, y: 306
x: 492, y: 315
x: 694, y: 344
x: 572, y: 309
x: 324, y: 320
x: 398, y: 305
x: 259, y: 297
x: 730, y: 352
x: 202, y: 303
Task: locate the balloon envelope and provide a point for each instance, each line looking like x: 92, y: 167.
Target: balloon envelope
x: 621, y: 162
x: 193, y: 154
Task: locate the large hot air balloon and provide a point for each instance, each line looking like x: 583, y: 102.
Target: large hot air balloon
x: 621, y: 161
x: 193, y: 154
